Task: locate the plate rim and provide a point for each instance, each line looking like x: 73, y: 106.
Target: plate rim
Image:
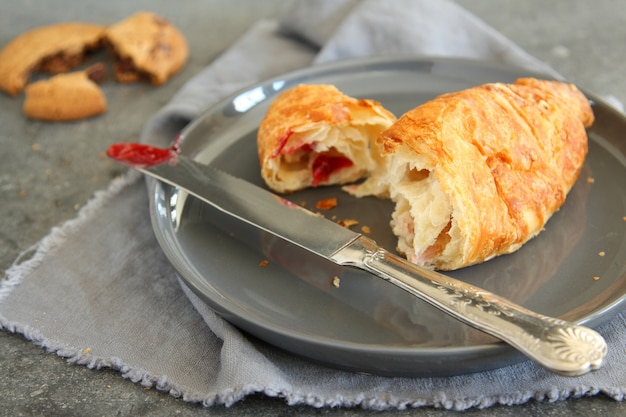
x: 500, y: 348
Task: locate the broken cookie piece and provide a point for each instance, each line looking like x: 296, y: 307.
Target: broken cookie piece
x: 53, y: 48
x: 66, y: 97
x: 146, y: 48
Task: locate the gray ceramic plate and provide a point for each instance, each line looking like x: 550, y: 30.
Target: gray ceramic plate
x: 367, y: 325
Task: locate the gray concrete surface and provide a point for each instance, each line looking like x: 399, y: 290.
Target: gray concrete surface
x: 39, y: 189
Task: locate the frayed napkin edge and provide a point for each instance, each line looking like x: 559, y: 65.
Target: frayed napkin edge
x: 78, y: 356
x: 32, y: 257
x: 229, y: 398
x: 29, y: 259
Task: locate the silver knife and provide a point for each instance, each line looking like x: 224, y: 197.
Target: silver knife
x: 560, y: 346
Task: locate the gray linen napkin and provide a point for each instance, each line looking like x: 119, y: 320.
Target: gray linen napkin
x: 99, y: 292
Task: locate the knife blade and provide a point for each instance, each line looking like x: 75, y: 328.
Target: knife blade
x: 562, y: 347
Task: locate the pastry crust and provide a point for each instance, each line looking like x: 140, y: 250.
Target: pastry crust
x: 53, y: 48
x: 477, y: 173
x: 147, y: 47
x: 315, y: 135
x: 66, y: 97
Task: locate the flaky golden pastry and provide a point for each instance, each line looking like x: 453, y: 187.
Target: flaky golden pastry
x: 315, y: 135
x: 477, y: 173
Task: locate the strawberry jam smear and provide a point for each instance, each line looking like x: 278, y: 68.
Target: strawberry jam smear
x: 138, y: 155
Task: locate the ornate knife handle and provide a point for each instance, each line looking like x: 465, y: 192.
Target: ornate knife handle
x: 562, y: 347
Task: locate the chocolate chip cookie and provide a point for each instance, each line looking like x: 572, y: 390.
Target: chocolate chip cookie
x: 147, y: 47
x: 54, y: 48
x: 64, y: 97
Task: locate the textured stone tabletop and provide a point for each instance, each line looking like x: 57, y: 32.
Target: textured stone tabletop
x: 47, y: 172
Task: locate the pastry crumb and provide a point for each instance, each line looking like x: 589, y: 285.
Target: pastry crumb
x: 366, y: 229
x: 590, y: 180
x: 336, y: 282
x: 347, y: 223
x: 596, y: 278
x: 326, y: 204
x: 601, y: 253
x: 264, y: 262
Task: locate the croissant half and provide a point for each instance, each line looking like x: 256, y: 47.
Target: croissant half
x: 313, y: 135
x: 477, y: 173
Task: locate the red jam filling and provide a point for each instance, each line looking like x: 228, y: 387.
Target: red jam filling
x: 281, y: 143
x: 140, y: 155
x: 325, y: 165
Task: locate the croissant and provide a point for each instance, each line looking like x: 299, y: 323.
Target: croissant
x: 477, y: 173
x: 315, y: 135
